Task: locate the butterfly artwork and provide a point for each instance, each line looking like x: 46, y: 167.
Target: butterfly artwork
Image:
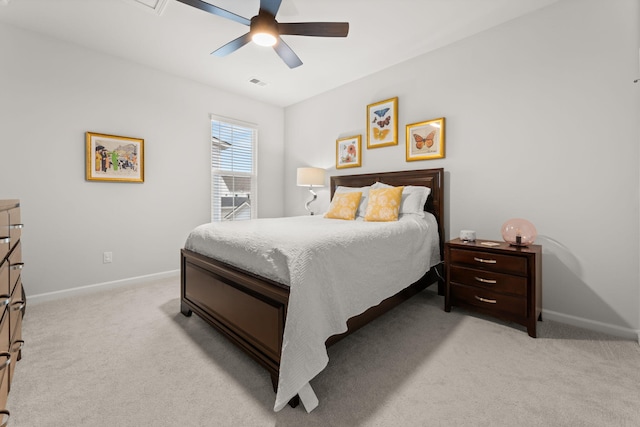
x: 382, y: 127
x: 381, y: 113
x: 385, y: 122
x: 380, y: 134
x: 424, y: 141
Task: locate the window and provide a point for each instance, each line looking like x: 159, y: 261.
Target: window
x: 233, y: 170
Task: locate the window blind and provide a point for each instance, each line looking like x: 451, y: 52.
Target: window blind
x: 233, y: 170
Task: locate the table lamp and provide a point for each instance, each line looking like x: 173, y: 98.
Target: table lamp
x: 519, y: 232
x: 310, y: 177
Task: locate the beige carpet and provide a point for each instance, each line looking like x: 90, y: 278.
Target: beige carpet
x: 129, y: 358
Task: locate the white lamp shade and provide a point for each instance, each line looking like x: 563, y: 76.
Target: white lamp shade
x: 311, y: 177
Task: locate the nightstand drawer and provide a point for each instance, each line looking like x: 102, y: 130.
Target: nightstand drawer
x: 489, y: 280
x: 487, y: 300
x: 489, y: 261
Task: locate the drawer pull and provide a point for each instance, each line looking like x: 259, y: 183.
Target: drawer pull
x: 16, y: 346
x: 17, y: 305
x: 17, y: 266
x: 7, y: 361
x: 5, y: 417
x: 487, y: 281
x: 486, y: 261
x: 490, y: 301
x: 16, y: 226
x: 5, y: 300
x: 4, y: 240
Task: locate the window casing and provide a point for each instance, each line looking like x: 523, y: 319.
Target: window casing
x: 233, y: 170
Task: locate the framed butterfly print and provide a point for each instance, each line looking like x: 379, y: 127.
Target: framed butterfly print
x: 349, y: 152
x: 425, y: 140
x: 382, y: 123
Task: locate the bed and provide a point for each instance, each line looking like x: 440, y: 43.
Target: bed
x: 251, y: 310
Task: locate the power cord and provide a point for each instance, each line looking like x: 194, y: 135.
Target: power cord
x: 437, y: 268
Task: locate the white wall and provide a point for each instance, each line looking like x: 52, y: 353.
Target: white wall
x: 52, y: 93
x: 541, y: 123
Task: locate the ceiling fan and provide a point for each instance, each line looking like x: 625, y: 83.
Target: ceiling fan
x: 266, y: 31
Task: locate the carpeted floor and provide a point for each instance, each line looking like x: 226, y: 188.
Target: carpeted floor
x: 127, y: 357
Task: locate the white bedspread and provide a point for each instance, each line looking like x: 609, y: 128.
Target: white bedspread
x: 335, y: 269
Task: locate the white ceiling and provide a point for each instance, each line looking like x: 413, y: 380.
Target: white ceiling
x: 180, y: 39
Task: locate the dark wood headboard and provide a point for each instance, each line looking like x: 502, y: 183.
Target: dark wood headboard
x: 432, y: 178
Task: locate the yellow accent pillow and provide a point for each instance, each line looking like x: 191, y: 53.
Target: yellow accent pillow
x: 384, y: 204
x: 344, y: 205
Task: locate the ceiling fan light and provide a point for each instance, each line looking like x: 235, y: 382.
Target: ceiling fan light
x: 264, y: 39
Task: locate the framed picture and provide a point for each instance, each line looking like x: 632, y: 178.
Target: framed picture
x: 425, y: 140
x: 382, y: 123
x: 349, y: 152
x: 114, y: 158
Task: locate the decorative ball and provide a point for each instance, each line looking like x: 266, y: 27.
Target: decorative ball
x: 519, y: 232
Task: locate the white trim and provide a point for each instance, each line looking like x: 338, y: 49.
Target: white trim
x: 155, y: 7
x: 594, y: 325
x: 83, y: 290
x: 231, y: 121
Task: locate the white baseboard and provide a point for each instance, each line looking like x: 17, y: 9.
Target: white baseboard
x: 66, y: 293
x: 594, y: 325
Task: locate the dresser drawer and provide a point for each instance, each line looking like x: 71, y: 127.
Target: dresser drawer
x: 15, y: 349
x: 489, y: 261
x: 4, y: 234
x: 4, y: 328
x: 15, y: 226
x: 15, y: 265
x: 488, y: 300
x: 490, y: 280
x: 15, y: 307
x: 4, y: 278
x: 4, y: 380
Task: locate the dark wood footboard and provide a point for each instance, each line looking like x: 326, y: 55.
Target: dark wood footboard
x: 248, y: 310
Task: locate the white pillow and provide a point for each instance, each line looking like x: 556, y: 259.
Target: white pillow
x: 413, y: 198
x: 362, y: 208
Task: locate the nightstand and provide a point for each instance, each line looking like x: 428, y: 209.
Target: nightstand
x: 501, y: 281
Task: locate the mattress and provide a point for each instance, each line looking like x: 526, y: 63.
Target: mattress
x: 335, y: 270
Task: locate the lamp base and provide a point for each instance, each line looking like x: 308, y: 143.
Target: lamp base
x: 306, y: 205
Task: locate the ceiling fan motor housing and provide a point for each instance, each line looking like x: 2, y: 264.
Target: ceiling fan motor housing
x: 264, y: 23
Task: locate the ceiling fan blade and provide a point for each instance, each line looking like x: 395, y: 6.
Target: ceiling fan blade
x: 199, y: 4
x: 232, y: 46
x: 287, y: 54
x: 318, y: 29
x: 271, y: 6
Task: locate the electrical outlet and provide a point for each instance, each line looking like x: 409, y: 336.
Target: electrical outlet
x: 107, y: 257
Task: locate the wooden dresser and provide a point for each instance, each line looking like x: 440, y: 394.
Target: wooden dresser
x: 12, y: 298
x: 502, y: 281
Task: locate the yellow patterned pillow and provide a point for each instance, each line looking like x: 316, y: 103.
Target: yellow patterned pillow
x: 344, y: 205
x: 384, y: 204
